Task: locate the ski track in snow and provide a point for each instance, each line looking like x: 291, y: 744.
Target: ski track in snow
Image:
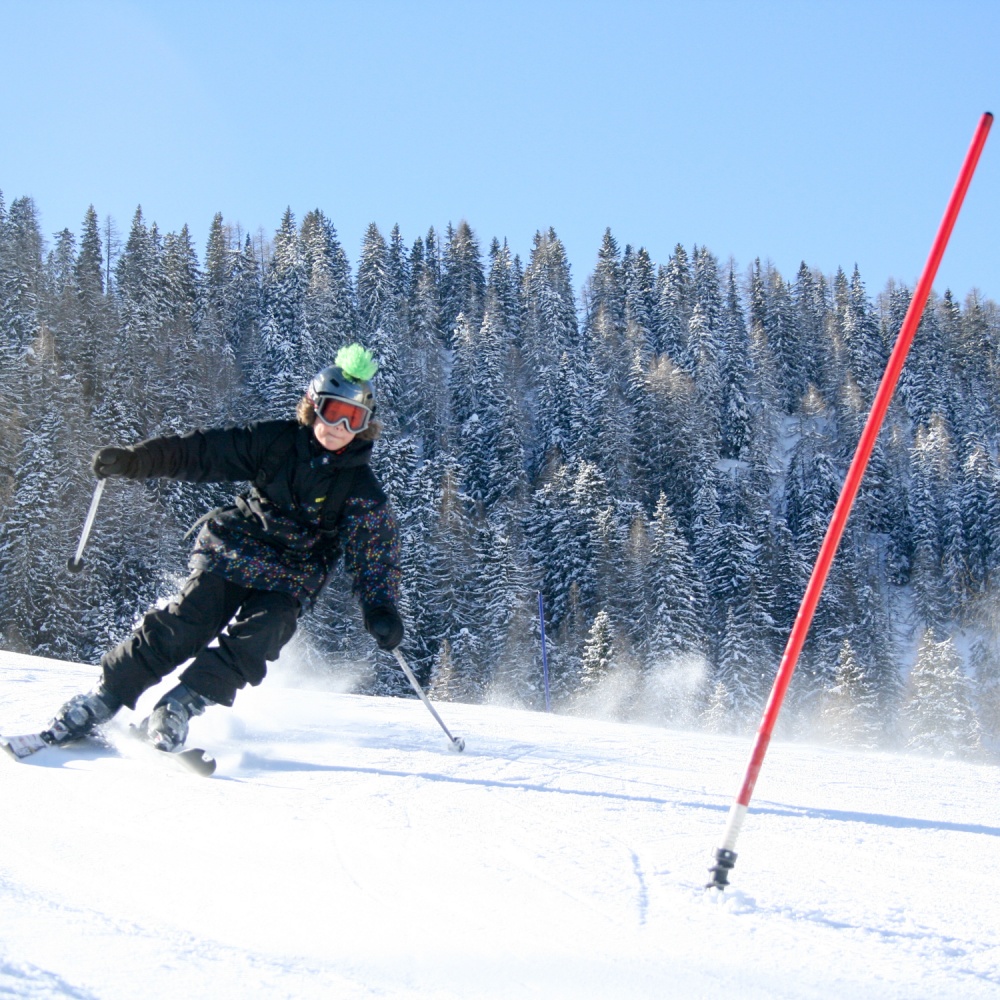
x: 343, y: 851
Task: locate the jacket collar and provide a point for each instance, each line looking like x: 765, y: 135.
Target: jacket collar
x: 357, y: 453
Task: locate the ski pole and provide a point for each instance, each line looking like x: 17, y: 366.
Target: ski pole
x: 457, y: 743
x: 75, y: 563
x: 725, y: 856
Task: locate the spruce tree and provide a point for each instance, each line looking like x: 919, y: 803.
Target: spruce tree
x: 93, y: 313
x: 985, y: 663
x: 809, y: 315
x: 938, y: 709
x: 735, y: 418
x: 676, y: 302
x: 598, y: 651
x: 463, y: 283
x: 784, y: 340
x: 423, y: 400
x: 287, y: 369
x: 677, y: 606
x: 642, y: 312
x: 329, y: 312
x: 849, y: 709
x: 864, y: 342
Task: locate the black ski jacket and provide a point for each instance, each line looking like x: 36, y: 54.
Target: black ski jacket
x: 306, y: 508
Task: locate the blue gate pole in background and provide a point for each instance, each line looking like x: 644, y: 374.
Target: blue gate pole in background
x: 545, y: 659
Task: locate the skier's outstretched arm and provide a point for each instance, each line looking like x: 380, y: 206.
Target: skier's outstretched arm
x: 230, y: 454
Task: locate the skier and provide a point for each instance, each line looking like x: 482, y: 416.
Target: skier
x: 257, y: 564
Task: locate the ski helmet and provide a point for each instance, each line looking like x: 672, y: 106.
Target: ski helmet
x: 343, y: 393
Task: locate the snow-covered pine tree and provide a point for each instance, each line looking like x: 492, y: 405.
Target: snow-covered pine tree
x: 555, y: 543
x: 716, y: 716
x: 642, y: 312
x: 849, y: 707
x: 677, y: 609
x: 734, y: 684
x: 423, y: 402
x: 976, y: 350
x: 980, y: 510
x: 457, y: 676
x: 676, y: 301
x: 329, y: 311
x: 484, y: 411
x: 216, y: 305
x: 247, y: 338
x: 20, y: 274
x: 383, y: 315
x: 605, y: 292
x: 734, y: 415
x: 704, y: 356
x: 808, y: 315
x: 606, y: 430
x: 923, y: 382
x: 448, y: 596
x: 552, y: 359
x: 866, y: 348
x: 93, y: 312
x: 985, y: 663
x: 938, y: 707
x: 931, y: 469
x: 783, y: 338
x: 463, y: 283
x: 671, y: 443
x: 598, y: 651
x: 766, y: 392
x: 285, y: 370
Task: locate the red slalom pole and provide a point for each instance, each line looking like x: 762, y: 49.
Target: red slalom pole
x: 725, y: 856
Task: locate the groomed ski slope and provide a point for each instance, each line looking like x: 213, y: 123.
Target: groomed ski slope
x: 343, y: 851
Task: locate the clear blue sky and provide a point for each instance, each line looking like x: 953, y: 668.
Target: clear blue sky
x: 829, y: 131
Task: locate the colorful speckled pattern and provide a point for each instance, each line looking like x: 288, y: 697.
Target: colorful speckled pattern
x: 296, y: 557
x: 371, y: 551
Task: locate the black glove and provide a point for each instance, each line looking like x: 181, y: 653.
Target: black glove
x: 121, y: 462
x: 385, y: 626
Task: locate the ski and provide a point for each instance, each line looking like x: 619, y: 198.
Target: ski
x: 194, y: 760
x: 23, y: 746
x: 27, y: 744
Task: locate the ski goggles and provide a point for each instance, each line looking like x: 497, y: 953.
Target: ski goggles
x: 332, y: 411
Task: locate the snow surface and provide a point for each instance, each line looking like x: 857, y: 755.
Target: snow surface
x: 343, y: 851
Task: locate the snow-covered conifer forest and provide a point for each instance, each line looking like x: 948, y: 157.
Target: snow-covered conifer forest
x: 659, y: 455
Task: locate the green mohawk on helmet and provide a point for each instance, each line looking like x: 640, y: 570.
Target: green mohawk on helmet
x: 356, y: 362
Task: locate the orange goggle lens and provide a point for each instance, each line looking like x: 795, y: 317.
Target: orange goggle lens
x: 334, y: 411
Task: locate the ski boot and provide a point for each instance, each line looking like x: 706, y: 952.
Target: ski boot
x: 167, y: 726
x: 81, y: 715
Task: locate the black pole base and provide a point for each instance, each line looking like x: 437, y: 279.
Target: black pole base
x: 73, y: 566
x: 725, y: 861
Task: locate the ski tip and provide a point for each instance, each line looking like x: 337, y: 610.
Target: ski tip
x: 199, y: 762
x: 19, y: 747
